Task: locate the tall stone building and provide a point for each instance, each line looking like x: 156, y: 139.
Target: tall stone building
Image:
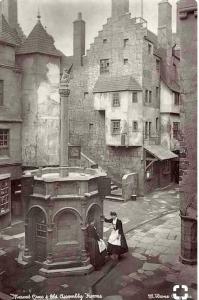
x: 124, y: 105
x: 187, y: 31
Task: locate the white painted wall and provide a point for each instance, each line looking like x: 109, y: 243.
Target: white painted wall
x: 127, y: 112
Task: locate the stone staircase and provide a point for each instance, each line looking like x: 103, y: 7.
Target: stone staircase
x: 116, y: 193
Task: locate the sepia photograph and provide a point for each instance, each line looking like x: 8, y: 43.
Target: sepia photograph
x: 98, y: 149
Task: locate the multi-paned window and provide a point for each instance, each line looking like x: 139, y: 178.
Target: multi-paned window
x: 1, y: 92
x: 116, y: 99
x: 135, y: 97
x: 176, y: 98
x: 4, y: 196
x: 176, y: 129
x: 115, y: 127
x: 157, y: 65
x: 135, y: 125
x: 104, y: 65
x: 4, y: 141
x: 41, y: 230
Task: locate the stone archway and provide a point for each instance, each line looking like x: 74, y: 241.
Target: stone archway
x: 37, y: 233
x: 68, y: 233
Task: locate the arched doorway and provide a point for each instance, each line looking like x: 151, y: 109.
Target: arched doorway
x: 37, y: 233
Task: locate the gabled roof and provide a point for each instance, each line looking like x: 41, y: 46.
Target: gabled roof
x: 6, y: 33
x: 116, y: 83
x: 39, y: 41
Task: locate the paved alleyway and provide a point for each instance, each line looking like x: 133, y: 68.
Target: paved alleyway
x: 149, y: 270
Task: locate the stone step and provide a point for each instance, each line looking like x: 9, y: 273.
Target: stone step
x: 114, y: 187
x: 117, y: 192
x: 114, y: 198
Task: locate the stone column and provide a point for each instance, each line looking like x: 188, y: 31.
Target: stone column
x: 27, y: 189
x: 64, y: 122
x: 50, y: 227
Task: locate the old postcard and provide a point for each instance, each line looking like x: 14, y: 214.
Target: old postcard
x: 98, y: 155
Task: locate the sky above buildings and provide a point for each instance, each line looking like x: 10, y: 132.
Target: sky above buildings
x: 58, y: 16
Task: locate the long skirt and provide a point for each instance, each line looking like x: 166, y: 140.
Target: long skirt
x: 115, y: 245
x: 97, y: 259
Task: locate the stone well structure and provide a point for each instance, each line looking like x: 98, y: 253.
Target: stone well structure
x: 57, y: 210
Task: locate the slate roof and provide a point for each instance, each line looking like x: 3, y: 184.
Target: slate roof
x: 39, y: 41
x: 160, y: 152
x: 6, y: 33
x: 116, y: 83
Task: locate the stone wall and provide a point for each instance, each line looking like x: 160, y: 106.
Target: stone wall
x: 10, y: 112
x: 41, y: 109
x: 187, y: 21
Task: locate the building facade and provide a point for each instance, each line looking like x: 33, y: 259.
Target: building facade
x: 187, y: 29
x: 120, y: 89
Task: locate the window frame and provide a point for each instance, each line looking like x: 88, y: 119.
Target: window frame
x: 176, y: 130
x: 116, y: 100
x: 125, y: 41
x: 125, y: 61
x: 150, y: 97
x: 176, y: 103
x: 158, y: 65
x: 133, y: 127
x: 4, y: 148
x: 118, y: 128
x: 104, y: 65
x: 39, y: 230
x: 134, y: 98
x: 146, y: 129
x: 146, y: 97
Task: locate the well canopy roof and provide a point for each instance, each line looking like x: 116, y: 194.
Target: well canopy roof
x: 106, y: 84
x: 160, y: 152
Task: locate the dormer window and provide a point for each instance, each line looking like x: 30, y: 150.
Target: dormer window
x: 116, y: 99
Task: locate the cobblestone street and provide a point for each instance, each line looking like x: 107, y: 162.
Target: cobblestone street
x: 152, y: 226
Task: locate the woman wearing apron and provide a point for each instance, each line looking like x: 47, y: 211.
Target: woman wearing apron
x: 117, y: 244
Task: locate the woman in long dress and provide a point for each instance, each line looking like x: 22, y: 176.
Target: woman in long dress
x: 117, y: 244
x: 97, y: 258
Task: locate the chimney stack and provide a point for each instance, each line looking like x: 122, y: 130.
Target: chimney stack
x: 119, y: 8
x: 164, y: 24
x: 9, y: 10
x: 78, y: 41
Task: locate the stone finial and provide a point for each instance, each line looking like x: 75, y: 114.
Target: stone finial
x: 38, y: 16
